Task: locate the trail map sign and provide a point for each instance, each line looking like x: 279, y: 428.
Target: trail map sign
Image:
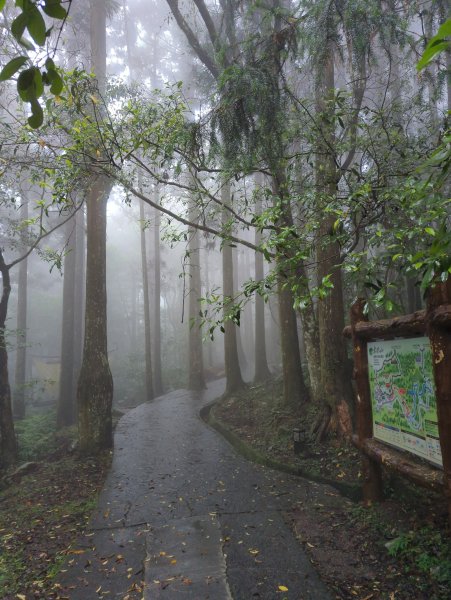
x: 403, y: 396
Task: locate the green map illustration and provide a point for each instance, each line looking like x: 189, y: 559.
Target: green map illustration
x: 403, y: 396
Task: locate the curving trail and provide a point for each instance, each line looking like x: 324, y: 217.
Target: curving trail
x: 184, y: 513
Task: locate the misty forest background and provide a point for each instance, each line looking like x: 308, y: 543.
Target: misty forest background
x: 231, y: 175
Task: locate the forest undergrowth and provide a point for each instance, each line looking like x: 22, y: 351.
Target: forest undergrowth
x: 397, y: 550
x: 44, y: 506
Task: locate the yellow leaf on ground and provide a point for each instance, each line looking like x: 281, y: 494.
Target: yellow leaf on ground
x: 283, y: 588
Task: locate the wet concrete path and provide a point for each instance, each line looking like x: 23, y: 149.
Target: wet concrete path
x: 184, y: 513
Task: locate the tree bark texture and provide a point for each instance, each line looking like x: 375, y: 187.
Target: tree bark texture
x: 146, y: 308
x: 66, y: 413
x: 239, y: 341
x: 234, y: 380
x: 95, y: 385
x: 196, y: 379
x: 156, y: 326
x: 439, y: 331
x: 8, y: 442
x: 21, y: 354
x: 79, y: 297
x: 295, y: 390
x: 310, y: 335
x: 262, y: 372
x: 336, y: 387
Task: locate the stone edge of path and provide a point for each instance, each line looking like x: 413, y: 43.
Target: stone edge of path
x: 207, y: 414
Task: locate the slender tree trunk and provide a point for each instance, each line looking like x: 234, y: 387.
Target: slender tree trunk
x: 95, y: 386
x: 295, y: 391
x: 196, y: 379
x: 146, y: 308
x: 66, y: 410
x: 79, y: 298
x: 336, y: 387
x: 239, y: 342
x: 209, y: 342
x: 234, y: 380
x: 311, y: 340
x: 133, y: 313
x: 158, y: 380
x: 8, y: 442
x: 312, y: 350
x: 21, y: 354
x: 262, y: 372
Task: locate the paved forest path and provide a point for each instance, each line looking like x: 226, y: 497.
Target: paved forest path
x: 183, y: 512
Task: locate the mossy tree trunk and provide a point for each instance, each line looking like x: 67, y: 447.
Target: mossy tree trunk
x: 336, y: 389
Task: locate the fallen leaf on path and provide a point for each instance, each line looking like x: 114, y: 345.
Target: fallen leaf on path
x: 283, y: 588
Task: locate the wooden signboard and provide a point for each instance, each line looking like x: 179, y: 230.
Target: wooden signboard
x: 402, y: 371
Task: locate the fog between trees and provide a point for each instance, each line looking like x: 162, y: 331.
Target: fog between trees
x: 230, y: 176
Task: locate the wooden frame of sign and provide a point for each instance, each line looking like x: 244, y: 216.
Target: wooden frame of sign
x: 434, y: 322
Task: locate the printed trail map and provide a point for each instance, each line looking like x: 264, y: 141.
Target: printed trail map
x: 403, y: 396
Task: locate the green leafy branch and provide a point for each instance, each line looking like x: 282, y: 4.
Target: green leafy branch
x: 436, y: 45
x: 32, y: 79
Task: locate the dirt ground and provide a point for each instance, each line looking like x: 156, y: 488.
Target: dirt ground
x: 398, y: 550
x: 41, y: 515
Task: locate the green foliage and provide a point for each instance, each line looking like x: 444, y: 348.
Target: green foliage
x: 33, y: 77
x: 426, y: 550
x: 439, y: 43
x: 36, y: 435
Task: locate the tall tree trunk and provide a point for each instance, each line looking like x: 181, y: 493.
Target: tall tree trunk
x: 21, y: 354
x: 95, y: 386
x: 196, y: 379
x: 79, y: 297
x: 262, y: 372
x: 146, y: 307
x: 65, y: 414
x: 295, y: 390
x: 336, y: 387
x: 158, y: 380
x: 234, y: 380
x: 239, y: 342
x: 311, y: 339
x: 8, y: 442
x: 209, y: 342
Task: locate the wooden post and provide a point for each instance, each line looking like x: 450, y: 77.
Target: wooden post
x: 371, y: 470
x: 439, y: 331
